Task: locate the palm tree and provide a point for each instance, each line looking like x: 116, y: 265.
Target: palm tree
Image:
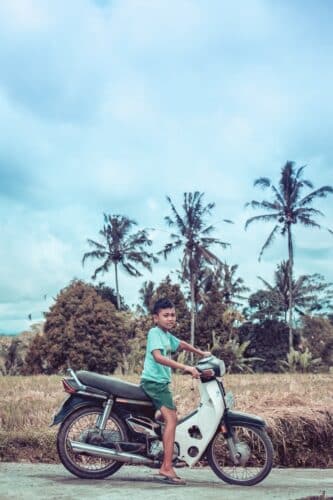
x: 232, y: 287
x: 120, y: 248
x: 286, y: 209
x: 193, y: 237
x: 224, y: 279
x: 310, y: 291
x: 146, y: 294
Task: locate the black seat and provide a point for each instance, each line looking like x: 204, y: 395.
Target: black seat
x: 112, y: 385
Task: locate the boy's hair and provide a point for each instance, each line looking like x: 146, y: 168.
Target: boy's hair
x: 162, y: 304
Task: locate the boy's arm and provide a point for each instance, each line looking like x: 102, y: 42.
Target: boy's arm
x: 159, y: 358
x: 190, y: 348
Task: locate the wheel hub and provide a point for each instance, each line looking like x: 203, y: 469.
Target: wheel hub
x: 243, y: 453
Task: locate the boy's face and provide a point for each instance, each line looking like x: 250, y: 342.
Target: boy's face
x: 165, y: 318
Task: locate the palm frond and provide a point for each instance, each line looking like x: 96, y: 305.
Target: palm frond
x: 132, y: 271
x: 318, y: 193
x: 215, y: 241
x: 269, y: 240
x: 209, y: 256
x: 254, y: 204
x: 307, y: 211
x: 278, y: 195
x: 262, y: 218
x: 306, y: 221
x: 169, y: 247
x: 286, y: 181
x: 268, y: 285
x: 169, y: 221
x: 95, y: 254
x: 207, y: 230
x: 271, y: 206
x: 93, y: 243
x: 102, y: 269
x: 262, y: 182
x: 178, y: 220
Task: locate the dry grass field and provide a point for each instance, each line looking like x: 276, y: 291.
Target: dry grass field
x: 297, y: 407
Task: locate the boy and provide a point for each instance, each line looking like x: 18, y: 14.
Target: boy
x: 156, y: 376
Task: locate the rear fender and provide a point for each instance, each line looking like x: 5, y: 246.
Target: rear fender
x: 69, y: 405
x: 233, y: 418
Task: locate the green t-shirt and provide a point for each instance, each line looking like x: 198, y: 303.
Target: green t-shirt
x: 166, y: 343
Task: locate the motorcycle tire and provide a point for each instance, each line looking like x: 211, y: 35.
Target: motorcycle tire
x: 257, y: 450
x: 80, y: 464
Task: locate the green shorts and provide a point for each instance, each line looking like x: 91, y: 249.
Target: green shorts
x: 159, y: 393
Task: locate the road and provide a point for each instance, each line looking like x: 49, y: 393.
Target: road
x: 52, y: 482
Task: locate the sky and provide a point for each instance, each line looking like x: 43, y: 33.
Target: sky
x: 110, y: 106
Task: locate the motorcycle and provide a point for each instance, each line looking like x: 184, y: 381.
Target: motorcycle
x: 107, y: 422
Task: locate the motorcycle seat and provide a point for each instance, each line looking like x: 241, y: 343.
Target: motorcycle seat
x: 112, y: 385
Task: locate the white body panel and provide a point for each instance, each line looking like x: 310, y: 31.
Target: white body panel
x: 206, y: 419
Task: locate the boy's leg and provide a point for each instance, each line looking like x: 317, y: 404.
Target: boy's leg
x: 170, y: 419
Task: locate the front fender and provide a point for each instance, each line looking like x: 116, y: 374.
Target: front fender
x: 68, y: 406
x: 232, y: 418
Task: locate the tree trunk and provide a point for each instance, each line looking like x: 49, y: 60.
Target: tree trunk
x: 193, y: 313
x: 290, y: 286
x: 117, y: 285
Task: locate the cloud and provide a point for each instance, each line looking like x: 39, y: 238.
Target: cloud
x: 109, y: 106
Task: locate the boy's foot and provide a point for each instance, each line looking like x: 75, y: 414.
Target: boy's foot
x: 174, y: 480
x: 171, y: 479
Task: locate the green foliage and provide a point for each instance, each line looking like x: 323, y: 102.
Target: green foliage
x: 269, y: 341
x: 231, y: 287
x: 216, y: 317
x: 192, y: 236
x: 286, y: 208
x: 120, y: 247
x: 233, y: 353
x: 310, y: 293
x: 317, y: 335
x: 82, y: 331
x: 298, y: 361
x: 146, y: 294
x: 134, y: 354
x: 108, y: 293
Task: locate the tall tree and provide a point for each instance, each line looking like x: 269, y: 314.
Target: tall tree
x: 82, y: 330
x: 286, y: 209
x: 311, y: 293
x: 224, y: 278
x: 193, y: 238
x: 146, y: 294
x: 120, y: 248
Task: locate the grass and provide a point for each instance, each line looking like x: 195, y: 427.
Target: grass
x: 297, y: 407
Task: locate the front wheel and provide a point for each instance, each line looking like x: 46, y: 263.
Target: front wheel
x: 254, y: 452
x: 81, y: 426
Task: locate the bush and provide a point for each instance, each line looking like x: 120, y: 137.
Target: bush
x: 298, y: 361
x: 317, y: 333
x: 269, y: 341
x: 82, y: 331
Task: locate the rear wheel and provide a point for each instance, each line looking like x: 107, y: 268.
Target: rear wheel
x: 254, y: 451
x: 78, y: 427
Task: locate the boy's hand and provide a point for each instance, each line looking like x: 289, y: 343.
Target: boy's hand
x: 192, y: 370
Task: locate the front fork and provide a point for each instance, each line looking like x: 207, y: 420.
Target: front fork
x: 230, y: 439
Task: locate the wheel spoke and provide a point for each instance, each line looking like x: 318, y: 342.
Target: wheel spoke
x: 78, y: 431
x: 252, y: 451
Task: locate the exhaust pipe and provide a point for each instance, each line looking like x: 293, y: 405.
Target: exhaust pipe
x: 119, y: 456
